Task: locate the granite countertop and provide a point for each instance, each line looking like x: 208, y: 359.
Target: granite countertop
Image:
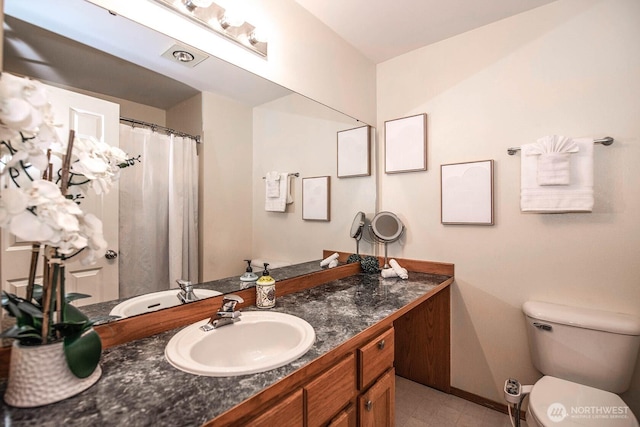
x: 139, y: 388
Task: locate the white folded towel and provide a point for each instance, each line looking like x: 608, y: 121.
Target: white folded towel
x: 273, y: 184
x: 388, y: 273
x: 279, y: 204
x: 575, y: 197
x: 325, y: 262
x: 401, y: 272
x: 554, y: 159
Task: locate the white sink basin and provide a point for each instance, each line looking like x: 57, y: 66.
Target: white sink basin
x: 258, y: 342
x: 155, y: 301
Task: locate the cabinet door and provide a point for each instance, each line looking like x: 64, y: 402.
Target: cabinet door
x: 375, y: 357
x: 287, y: 413
x: 377, y: 405
x: 330, y: 392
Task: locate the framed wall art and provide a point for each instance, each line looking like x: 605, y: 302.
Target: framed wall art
x: 467, y: 193
x: 316, y: 198
x: 405, y: 148
x: 354, y: 147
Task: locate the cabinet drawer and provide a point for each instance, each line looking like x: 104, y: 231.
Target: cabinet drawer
x: 346, y: 418
x: 374, y: 358
x: 330, y: 392
x: 287, y: 413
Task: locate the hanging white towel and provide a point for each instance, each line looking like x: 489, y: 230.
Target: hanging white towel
x: 279, y: 204
x: 273, y: 184
x: 554, y: 159
x: 575, y: 197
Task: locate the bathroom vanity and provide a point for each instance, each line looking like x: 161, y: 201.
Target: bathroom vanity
x: 368, y: 329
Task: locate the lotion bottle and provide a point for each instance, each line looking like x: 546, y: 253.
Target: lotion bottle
x: 265, y: 290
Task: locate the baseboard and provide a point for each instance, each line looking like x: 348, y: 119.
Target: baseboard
x: 482, y: 401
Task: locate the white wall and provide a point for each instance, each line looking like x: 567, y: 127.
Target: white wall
x: 304, y: 55
x: 570, y: 68
x: 225, y: 187
x: 295, y: 134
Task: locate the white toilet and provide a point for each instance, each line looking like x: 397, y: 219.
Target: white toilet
x: 586, y: 356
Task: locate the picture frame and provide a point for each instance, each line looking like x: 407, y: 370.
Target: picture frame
x: 316, y: 198
x: 406, y: 144
x: 466, y: 193
x: 354, y: 152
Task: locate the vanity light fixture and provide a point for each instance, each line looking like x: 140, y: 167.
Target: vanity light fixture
x: 224, y: 22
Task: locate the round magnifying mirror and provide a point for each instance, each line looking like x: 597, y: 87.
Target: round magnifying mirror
x: 386, y: 226
x: 356, y: 227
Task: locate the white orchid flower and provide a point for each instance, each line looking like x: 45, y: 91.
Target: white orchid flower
x: 36, y: 210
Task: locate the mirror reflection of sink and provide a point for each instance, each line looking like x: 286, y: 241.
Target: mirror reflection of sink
x: 260, y: 341
x: 155, y: 301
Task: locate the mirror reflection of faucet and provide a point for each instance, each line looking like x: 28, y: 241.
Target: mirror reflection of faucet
x: 186, y: 294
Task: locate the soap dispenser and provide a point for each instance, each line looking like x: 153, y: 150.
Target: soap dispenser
x: 265, y: 290
x: 249, y: 275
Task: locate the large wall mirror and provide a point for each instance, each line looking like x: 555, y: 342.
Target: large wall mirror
x: 249, y: 126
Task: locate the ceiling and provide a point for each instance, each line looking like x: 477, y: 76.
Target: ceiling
x: 115, y: 50
x: 113, y: 57
x: 382, y: 30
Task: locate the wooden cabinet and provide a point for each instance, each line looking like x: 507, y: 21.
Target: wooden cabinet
x: 377, y: 405
x: 287, y: 413
x: 375, y: 358
x: 354, y: 385
x: 330, y: 392
x: 333, y: 390
x: 346, y: 418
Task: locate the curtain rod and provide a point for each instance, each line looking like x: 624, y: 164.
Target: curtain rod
x: 155, y: 127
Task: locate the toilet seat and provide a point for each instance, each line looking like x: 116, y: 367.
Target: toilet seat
x: 557, y: 402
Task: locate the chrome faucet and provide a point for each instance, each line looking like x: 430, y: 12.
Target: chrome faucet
x: 186, y: 294
x: 225, y: 315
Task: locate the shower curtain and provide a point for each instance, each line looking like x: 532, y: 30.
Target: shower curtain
x: 158, y: 212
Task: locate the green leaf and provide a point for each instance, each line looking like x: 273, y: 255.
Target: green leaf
x: 74, y: 296
x: 71, y: 328
x: 82, y: 352
x: 73, y: 315
x: 27, y: 335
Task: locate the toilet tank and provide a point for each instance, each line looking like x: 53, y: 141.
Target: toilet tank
x: 587, y: 346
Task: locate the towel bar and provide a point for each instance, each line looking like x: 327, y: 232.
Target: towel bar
x: 296, y: 174
x: 607, y: 140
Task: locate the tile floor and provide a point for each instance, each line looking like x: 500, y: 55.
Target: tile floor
x: 421, y: 406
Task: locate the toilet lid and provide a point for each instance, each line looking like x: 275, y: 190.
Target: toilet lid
x: 557, y: 402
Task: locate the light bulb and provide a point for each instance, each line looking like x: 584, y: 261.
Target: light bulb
x: 202, y: 3
x: 258, y: 36
x: 231, y: 18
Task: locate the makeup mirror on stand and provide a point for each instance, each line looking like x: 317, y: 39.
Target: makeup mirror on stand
x: 356, y: 229
x: 386, y: 228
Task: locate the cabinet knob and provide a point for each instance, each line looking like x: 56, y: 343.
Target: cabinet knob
x: 368, y: 405
x: 381, y: 345
x: 110, y: 254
